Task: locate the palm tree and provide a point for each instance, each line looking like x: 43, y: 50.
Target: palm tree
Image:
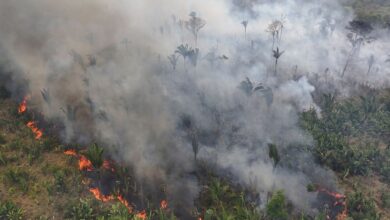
x: 95, y: 155
x: 275, y: 29
x: 183, y: 50
x: 194, y: 25
x: 247, y: 86
x: 277, y: 54
x: 245, y: 24
x: 359, y: 34
x: 173, y: 60
x: 193, y: 54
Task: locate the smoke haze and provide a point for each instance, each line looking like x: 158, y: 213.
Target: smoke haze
x: 103, y: 69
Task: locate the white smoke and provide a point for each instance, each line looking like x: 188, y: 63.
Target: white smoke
x: 103, y: 67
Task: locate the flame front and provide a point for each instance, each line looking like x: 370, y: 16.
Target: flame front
x: 85, y: 164
x: 125, y: 203
x: 70, y: 152
x: 23, y: 105
x: 141, y: 215
x: 340, y: 200
x: 38, y: 133
x: 99, y: 196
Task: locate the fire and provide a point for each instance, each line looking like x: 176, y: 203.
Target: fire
x: 141, y: 215
x: 85, y: 164
x: 23, y: 105
x: 340, y: 200
x: 163, y: 204
x: 99, y: 196
x: 38, y: 133
x: 126, y: 203
x: 70, y: 152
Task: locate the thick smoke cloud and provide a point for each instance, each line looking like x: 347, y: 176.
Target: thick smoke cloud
x: 102, y: 69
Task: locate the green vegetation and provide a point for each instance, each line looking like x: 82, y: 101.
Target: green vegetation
x: 349, y: 133
x: 223, y: 202
x: 276, y: 208
x: 95, y: 155
x: 360, y: 207
x: 8, y: 210
x: 18, y: 178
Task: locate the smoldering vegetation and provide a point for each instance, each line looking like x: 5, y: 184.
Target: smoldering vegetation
x: 166, y: 85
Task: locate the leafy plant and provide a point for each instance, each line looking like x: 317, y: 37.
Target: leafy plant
x: 273, y: 154
x: 277, y: 54
x: 81, y: 210
x: 361, y: 207
x: 276, y: 207
x: 18, y: 178
x: 95, y: 155
x: 8, y: 210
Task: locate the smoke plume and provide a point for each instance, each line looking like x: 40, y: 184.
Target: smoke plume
x: 101, y: 69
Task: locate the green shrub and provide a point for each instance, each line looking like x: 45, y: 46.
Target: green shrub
x: 17, y: 178
x: 10, y: 211
x: 59, y: 181
x: 360, y: 207
x: 95, y: 155
x: 385, y: 199
x: 80, y: 210
x: 276, y: 207
x: 225, y: 203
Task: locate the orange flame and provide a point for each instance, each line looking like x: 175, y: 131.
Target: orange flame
x: 85, y: 164
x: 163, y: 204
x: 340, y: 200
x: 38, y: 133
x: 70, y: 152
x: 141, y: 215
x: 99, y: 196
x: 23, y: 105
x: 126, y: 203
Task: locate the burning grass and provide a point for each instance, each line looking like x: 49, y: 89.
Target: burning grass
x: 218, y: 200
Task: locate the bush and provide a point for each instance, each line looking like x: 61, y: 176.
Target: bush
x: 81, y: 210
x: 225, y: 203
x: 10, y: 211
x: 18, y: 178
x: 385, y: 199
x: 276, y: 207
x: 95, y: 155
x: 360, y: 207
x: 59, y: 181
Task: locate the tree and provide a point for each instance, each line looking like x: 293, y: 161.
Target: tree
x: 245, y: 24
x: 173, y: 60
x: 183, y: 50
x: 276, y: 30
x: 95, y: 155
x: 359, y: 34
x: 194, y: 25
x: 273, y: 154
x: 277, y: 54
